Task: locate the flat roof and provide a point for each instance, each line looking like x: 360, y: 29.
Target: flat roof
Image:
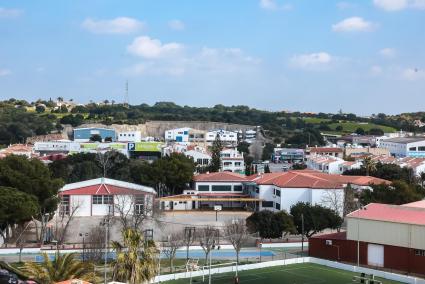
x: 404, y: 140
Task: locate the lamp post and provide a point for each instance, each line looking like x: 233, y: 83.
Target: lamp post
x: 105, y: 223
x: 358, y: 232
x: 84, y: 244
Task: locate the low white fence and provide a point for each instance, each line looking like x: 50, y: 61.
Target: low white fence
x: 283, y: 245
x: 324, y: 262
x: 378, y: 273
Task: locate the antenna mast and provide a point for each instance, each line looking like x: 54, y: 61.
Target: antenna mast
x: 126, y: 102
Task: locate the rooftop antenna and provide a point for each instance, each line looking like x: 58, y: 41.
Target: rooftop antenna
x: 126, y: 103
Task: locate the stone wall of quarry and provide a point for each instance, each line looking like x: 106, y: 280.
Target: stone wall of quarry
x: 158, y: 128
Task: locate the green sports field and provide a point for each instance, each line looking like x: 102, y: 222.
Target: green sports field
x: 290, y: 274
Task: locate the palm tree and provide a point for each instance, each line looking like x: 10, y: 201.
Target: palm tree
x: 137, y: 263
x: 369, y: 165
x: 63, y: 267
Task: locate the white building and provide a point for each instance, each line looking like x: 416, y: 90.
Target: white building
x: 130, y: 136
x: 202, y: 159
x: 324, y: 164
x: 232, y: 161
x: 271, y: 191
x: 56, y: 147
x: 103, y: 196
x: 225, y: 136
x: 178, y: 134
x: 405, y: 146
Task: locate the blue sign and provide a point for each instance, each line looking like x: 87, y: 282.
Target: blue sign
x: 131, y: 146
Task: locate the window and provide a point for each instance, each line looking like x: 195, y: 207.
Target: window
x: 237, y: 188
x: 419, y: 252
x: 203, y: 188
x: 139, y: 204
x: 412, y: 149
x: 206, y: 161
x: 103, y: 199
x: 65, y: 202
x: 257, y: 189
x: 267, y: 204
x: 237, y: 164
x: 108, y: 199
x: 221, y: 188
x: 97, y: 199
x: 227, y: 163
x: 277, y: 206
x: 277, y: 192
x: 199, y: 161
x: 421, y: 148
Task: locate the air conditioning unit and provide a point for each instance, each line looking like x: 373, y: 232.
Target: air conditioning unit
x: 328, y: 242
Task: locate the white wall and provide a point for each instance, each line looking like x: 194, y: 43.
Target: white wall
x: 84, y: 204
x: 291, y: 196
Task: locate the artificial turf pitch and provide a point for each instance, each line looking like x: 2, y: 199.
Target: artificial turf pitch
x: 306, y: 273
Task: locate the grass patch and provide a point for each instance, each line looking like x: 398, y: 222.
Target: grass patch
x: 306, y: 273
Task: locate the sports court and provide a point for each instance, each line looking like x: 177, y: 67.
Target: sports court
x: 306, y: 273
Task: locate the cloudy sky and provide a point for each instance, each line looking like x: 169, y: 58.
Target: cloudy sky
x: 363, y: 56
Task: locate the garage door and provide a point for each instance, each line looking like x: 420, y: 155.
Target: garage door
x: 375, y: 255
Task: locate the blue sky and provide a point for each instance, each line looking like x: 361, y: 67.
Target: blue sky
x: 364, y: 56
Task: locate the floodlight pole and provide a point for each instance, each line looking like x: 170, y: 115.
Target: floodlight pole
x: 302, y: 233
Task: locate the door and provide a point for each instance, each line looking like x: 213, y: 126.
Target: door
x: 375, y: 255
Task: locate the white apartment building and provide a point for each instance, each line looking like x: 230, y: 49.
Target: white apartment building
x: 129, y: 136
x: 405, y: 146
x: 232, y: 161
x: 225, y: 136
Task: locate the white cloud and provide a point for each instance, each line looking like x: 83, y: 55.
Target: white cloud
x: 273, y: 5
x: 213, y: 61
x: 5, y: 72
x: 413, y: 74
x: 176, y: 25
x: 147, y: 47
x: 120, y: 25
x: 398, y: 5
x: 10, y: 13
x: 313, y: 61
x: 353, y: 24
x: 388, y: 52
x: 375, y: 70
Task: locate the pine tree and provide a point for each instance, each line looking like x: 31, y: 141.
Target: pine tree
x: 216, y: 149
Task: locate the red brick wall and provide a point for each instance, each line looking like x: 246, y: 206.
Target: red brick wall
x: 397, y: 258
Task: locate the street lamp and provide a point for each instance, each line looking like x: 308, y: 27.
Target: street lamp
x: 106, y: 222
x: 358, y: 232
x: 84, y: 244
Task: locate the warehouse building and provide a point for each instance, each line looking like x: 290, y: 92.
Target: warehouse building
x: 389, y: 236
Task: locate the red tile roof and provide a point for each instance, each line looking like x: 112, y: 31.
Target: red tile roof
x: 332, y: 236
x: 313, y: 179
x: 391, y: 213
x: 104, y: 186
x: 220, y: 176
x: 325, y: 150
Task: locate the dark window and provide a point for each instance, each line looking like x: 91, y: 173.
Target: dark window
x: 277, y: 192
x: 267, y: 204
x: 65, y: 202
x: 277, y: 206
x: 412, y: 149
x: 421, y: 148
x: 203, y: 188
x: 257, y: 189
x: 221, y: 188
x: 199, y: 161
x: 237, y: 188
x: 108, y: 199
x: 419, y: 252
x: 206, y: 161
x: 97, y: 199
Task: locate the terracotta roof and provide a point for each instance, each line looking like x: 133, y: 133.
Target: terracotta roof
x: 391, y: 213
x: 313, y: 179
x: 220, y: 176
x: 325, y: 149
x: 332, y: 236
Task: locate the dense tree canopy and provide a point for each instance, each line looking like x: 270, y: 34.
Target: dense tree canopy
x: 269, y: 224
x: 31, y: 177
x: 316, y: 218
x: 398, y: 193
